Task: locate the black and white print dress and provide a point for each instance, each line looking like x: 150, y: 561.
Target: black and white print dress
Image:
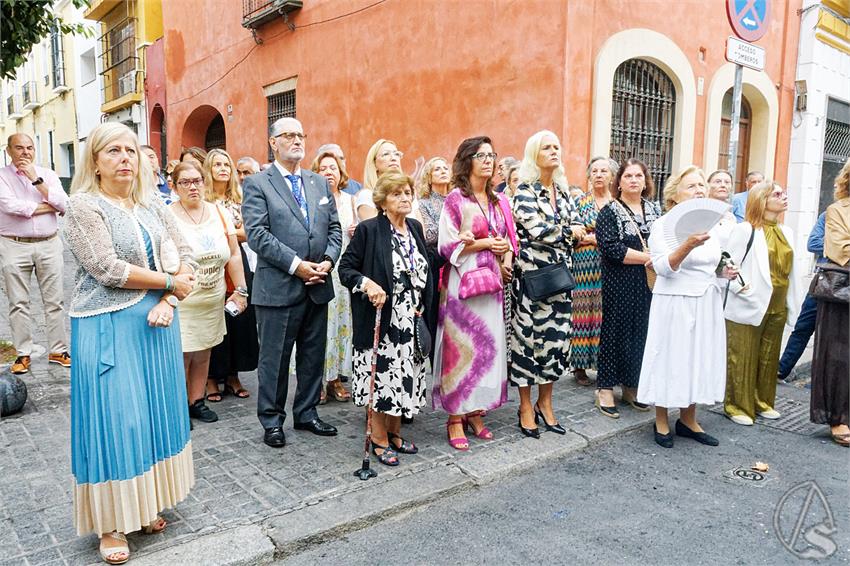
x: 540, y: 341
x: 400, y: 378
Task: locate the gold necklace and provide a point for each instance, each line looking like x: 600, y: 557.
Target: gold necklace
x: 192, y: 218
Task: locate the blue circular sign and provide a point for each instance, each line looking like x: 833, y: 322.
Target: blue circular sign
x: 748, y: 18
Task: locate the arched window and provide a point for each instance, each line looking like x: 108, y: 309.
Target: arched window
x: 215, y: 137
x: 642, y: 116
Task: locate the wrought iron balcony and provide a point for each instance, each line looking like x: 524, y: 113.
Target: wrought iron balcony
x: 13, y: 108
x: 256, y: 13
x: 29, y: 94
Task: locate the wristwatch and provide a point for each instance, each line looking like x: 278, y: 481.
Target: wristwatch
x: 172, y: 300
x: 37, y: 181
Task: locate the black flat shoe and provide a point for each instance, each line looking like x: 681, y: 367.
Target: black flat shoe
x: 199, y: 410
x: 610, y: 412
x: 529, y: 432
x: 701, y: 437
x: 317, y: 426
x: 663, y: 440
x: 405, y: 447
x: 556, y: 428
x: 274, y: 437
x: 388, y: 457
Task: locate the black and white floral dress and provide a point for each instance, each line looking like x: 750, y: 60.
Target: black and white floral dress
x: 400, y: 378
x: 540, y: 341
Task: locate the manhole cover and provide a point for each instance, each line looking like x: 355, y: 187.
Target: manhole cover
x: 795, y: 417
x: 747, y: 476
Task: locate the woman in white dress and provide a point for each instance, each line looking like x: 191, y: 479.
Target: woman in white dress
x: 684, y: 361
x: 338, y: 352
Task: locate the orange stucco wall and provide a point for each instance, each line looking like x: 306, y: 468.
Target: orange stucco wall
x: 427, y: 73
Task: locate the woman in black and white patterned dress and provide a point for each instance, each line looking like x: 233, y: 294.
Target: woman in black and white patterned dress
x: 386, y: 265
x: 547, y: 222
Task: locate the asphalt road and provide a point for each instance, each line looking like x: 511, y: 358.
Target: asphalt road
x: 628, y: 501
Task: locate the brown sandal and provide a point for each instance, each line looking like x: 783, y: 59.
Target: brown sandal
x: 581, y: 378
x: 842, y: 439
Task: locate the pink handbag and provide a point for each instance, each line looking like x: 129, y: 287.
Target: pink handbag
x: 479, y: 281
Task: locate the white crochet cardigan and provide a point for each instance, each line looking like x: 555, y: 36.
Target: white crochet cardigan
x: 106, y: 240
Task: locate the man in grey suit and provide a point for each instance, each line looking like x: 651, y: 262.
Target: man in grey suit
x: 291, y: 221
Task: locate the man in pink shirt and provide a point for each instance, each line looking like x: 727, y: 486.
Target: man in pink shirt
x: 31, y: 199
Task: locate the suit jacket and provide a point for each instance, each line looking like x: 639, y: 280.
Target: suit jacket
x: 369, y: 254
x: 277, y: 231
x: 836, y: 243
x: 750, y: 306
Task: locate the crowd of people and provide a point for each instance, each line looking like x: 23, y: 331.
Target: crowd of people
x: 441, y: 280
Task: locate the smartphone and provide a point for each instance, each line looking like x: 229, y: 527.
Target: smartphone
x: 232, y: 308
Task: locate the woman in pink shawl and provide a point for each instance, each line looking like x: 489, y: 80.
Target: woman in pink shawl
x: 478, y: 239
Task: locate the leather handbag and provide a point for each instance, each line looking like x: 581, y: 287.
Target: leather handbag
x: 421, y: 336
x: 831, y: 283
x: 539, y: 284
x: 479, y: 281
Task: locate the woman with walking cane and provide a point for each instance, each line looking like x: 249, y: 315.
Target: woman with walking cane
x: 386, y: 268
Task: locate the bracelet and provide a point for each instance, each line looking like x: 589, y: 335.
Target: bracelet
x: 241, y: 291
x: 169, y: 282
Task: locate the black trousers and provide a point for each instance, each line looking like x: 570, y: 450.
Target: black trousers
x: 279, y: 329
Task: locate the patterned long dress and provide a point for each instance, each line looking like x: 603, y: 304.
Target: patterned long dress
x: 470, y: 358
x: 625, y: 295
x: 400, y: 386
x: 338, y: 352
x: 587, y: 295
x: 540, y: 344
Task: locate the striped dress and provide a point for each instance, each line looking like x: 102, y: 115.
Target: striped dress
x: 587, y: 295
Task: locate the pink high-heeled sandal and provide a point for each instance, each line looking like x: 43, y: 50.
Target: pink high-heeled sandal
x: 458, y: 442
x: 485, y: 433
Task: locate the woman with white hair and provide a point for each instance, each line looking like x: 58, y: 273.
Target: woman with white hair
x: 131, y: 454
x: 547, y: 225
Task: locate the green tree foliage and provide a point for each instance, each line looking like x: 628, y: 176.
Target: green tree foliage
x: 23, y: 23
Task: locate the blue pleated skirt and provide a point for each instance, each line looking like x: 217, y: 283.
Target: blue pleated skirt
x: 131, y: 452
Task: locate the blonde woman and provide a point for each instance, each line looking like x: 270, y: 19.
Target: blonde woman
x: 758, y: 308
x: 131, y: 454
x: 684, y: 361
x: 239, y: 349
x: 382, y: 156
x: 338, y: 349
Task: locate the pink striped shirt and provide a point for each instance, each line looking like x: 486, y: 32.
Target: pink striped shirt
x: 19, y: 199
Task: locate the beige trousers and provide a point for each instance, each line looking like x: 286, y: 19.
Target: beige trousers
x: 19, y: 260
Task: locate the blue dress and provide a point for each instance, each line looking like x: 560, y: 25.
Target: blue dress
x: 131, y: 453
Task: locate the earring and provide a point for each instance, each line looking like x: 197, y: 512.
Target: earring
x: 97, y: 171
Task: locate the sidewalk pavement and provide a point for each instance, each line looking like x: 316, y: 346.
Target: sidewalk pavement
x: 251, y: 503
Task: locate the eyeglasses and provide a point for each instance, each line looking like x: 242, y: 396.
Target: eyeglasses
x: 481, y: 156
x: 290, y: 136
x: 389, y: 153
x: 186, y: 183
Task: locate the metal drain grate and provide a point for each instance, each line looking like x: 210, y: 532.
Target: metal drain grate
x: 795, y: 417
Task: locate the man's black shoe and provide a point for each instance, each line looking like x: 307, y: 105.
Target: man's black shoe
x: 274, y: 437
x: 199, y: 410
x: 317, y: 426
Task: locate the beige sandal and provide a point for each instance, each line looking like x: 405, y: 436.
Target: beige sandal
x: 156, y: 527
x: 108, y: 552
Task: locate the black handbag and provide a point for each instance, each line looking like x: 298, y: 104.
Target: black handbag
x: 539, y: 284
x: 421, y: 336
x: 831, y: 283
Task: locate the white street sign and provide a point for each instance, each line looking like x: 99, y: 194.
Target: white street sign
x: 745, y: 54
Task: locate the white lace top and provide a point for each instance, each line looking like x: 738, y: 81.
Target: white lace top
x: 106, y: 240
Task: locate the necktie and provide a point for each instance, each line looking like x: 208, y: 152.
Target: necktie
x: 294, y: 181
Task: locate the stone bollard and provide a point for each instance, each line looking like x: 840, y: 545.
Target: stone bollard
x: 13, y: 393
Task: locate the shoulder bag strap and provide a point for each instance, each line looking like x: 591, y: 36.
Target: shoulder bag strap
x: 749, y: 245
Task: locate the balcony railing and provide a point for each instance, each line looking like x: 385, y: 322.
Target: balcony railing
x: 57, y: 56
x: 13, y: 109
x: 256, y: 13
x: 121, y: 72
x: 29, y: 94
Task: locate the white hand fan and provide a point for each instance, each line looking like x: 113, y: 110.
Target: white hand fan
x: 692, y: 217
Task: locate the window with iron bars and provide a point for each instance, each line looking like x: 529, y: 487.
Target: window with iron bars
x: 281, y: 105
x: 57, y: 55
x: 642, y: 118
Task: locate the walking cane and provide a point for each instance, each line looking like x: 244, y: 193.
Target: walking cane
x: 365, y: 472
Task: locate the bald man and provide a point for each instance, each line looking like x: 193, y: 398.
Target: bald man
x: 31, y: 200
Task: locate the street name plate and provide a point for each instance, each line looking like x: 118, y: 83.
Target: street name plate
x: 745, y: 54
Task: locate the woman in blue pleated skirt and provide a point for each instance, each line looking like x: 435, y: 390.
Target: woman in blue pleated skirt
x: 131, y: 454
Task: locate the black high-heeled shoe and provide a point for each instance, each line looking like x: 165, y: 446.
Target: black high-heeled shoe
x: 556, y: 428
x: 529, y: 432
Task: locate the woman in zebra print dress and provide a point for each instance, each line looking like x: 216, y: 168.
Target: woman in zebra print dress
x: 547, y: 223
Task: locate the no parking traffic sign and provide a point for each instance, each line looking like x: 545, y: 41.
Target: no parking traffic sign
x: 748, y: 18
